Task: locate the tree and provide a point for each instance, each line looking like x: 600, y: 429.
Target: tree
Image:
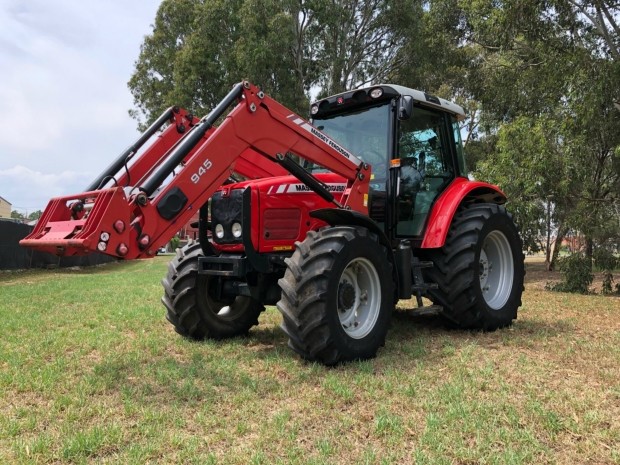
x: 592, y: 128
x: 153, y: 81
x: 594, y: 23
x: 197, y: 50
x: 17, y: 215
x: 360, y: 40
x: 539, y: 80
x: 544, y: 76
x: 35, y: 215
x: 530, y: 166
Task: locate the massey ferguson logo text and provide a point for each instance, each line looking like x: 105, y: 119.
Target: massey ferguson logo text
x: 330, y: 142
x: 304, y: 125
x: 330, y: 188
x: 302, y: 188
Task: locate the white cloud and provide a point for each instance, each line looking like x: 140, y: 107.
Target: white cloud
x: 28, y: 186
x: 63, y: 91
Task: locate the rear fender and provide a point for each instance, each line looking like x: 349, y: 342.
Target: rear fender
x: 461, y: 190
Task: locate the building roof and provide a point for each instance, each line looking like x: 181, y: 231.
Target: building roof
x: 2, y: 198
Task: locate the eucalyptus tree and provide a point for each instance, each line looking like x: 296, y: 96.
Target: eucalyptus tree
x: 292, y: 48
x: 541, y: 78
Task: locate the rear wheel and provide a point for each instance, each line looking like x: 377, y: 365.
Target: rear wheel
x: 337, y: 295
x: 192, y: 306
x: 479, y: 270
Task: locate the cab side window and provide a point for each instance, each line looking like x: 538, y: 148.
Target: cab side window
x: 426, y: 167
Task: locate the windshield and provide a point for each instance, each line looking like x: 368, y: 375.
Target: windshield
x: 364, y: 133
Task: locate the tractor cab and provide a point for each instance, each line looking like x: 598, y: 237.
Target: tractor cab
x: 412, y: 141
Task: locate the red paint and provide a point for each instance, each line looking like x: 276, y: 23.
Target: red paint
x: 247, y: 142
x: 446, y: 205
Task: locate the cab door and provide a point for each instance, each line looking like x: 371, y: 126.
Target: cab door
x: 425, y: 149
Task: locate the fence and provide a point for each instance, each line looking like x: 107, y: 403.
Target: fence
x: 13, y: 257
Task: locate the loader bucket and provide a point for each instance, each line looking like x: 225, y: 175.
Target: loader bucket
x: 78, y: 225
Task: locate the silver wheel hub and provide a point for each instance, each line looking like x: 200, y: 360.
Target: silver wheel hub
x: 359, y: 298
x: 496, y: 270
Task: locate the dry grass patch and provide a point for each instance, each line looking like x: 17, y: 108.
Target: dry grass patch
x: 90, y: 372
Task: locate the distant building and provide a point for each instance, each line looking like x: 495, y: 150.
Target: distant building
x: 5, y: 208
x: 188, y: 231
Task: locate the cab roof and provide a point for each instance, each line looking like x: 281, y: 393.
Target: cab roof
x: 343, y: 100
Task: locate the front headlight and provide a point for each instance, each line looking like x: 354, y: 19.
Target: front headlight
x: 227, y: 215
x: 219, y: 231
x: 236, y: 230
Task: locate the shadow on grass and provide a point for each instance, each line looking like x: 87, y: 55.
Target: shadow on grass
x: 260, y: 363
x: 418, y: 337
x: 435, y: 325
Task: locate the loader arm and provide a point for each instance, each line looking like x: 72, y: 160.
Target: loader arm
x: 168, y: 182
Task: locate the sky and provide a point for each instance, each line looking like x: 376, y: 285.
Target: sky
x: 64, y: 100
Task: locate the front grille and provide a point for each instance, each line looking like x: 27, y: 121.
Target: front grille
x: 281, y: 223
x: 226, y: 210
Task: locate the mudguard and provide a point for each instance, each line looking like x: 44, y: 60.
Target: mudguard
x: 448, y: 202
x: 337, y: 217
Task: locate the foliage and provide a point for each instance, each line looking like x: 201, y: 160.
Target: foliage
x: 577, y: 274
x: 359, y: 41
x: 198, y: 49
x: 605, y: 260
x: 35, y: 215
x: 152, y: 83
x: 608, y: 282
x: 546, y: 77
x: 529, y: 166
x: 175, y: 242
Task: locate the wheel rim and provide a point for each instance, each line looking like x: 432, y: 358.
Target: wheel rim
x: 496, y: 270
x: 359, y: 298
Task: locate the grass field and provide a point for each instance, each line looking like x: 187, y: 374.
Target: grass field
x: 91, y: 372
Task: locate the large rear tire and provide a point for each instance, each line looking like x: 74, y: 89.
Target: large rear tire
x: 337, y: 295
x: 191, y: 306
x: 479, y: 270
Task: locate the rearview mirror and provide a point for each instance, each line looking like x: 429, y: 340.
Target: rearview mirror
x: 405, y: 107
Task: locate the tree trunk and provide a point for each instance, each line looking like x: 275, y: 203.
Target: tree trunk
x: 589, y: 249
x: 548, y: 259
x: 562, y: 230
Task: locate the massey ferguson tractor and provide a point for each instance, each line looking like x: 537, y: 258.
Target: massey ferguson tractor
x: 333, y: 220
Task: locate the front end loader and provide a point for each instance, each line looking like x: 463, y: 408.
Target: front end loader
x: 333, y: 220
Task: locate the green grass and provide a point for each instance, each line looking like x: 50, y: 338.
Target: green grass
x: 91, y: 372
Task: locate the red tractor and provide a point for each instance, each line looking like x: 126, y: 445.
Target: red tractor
x: 332, y: 220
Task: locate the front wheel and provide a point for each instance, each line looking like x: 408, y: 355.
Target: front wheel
x: 479, y: 270
x: 193, y: 307
x: 337, y: 295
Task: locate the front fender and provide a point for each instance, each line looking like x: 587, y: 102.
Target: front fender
x: 336, y: 216
x: 445, y: 207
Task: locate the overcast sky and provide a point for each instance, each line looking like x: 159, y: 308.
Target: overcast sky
x: 64, y: 67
